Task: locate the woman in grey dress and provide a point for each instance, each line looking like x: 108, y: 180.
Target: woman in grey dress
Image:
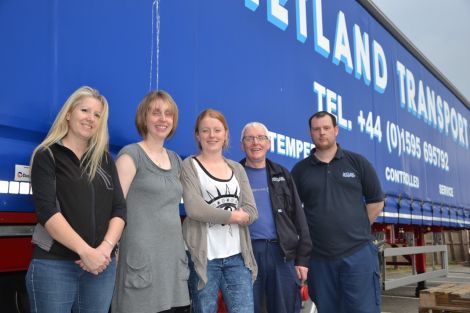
x: 152, y: 266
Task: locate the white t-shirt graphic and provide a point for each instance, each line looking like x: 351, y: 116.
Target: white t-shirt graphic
x: 223, y: 240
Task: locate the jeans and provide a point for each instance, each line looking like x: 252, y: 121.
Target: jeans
x: 346, y: 285
x: 230, y: 276
x: 61, y: 286
x: 277, y: 280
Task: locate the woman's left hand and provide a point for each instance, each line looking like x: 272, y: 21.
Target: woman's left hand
x: 239, y: 217
x: 104, y: 249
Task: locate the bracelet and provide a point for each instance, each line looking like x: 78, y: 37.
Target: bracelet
x: 109, y: 242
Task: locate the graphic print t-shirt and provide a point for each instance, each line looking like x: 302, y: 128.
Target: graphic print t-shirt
x: 223, y: 240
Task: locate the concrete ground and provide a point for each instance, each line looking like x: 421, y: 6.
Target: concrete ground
x: 403, y: 300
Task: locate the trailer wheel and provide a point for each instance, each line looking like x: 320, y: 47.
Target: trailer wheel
x: 22, y: 301
x: 13, y: 296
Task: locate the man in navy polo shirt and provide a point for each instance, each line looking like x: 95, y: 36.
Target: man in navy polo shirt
x: 342, y: 197
x: 280, y: 239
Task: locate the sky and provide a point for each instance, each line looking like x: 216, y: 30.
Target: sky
x: 440, y: 29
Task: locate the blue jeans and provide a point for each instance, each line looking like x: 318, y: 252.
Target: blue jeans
x: 277, y: 280
x: 61, y: 286
x: 346, y: 285
x: 230, y: 276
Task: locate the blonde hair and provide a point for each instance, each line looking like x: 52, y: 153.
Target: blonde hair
x: 98, y: 144
x: 146, y: 105
x: 213, y: 114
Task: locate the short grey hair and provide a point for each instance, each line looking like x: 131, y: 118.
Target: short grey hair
x: 253, y: 124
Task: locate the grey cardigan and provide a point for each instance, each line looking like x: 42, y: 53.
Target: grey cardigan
x: 199, y: 213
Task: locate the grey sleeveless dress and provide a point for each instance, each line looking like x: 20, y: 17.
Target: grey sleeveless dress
x: 152, y: 271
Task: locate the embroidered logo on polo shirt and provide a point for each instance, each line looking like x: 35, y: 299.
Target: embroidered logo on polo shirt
x: 349, y: 175
x: 278, y: 179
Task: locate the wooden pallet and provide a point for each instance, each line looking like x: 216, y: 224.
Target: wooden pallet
x: 445, y: 298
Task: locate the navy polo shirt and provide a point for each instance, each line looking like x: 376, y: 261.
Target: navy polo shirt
x: 334, y: 196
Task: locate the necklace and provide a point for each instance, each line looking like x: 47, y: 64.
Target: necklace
x: 157, y: 157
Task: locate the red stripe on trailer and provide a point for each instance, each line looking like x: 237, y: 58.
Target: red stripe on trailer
x: 17, y: 218
x: 17, y: 253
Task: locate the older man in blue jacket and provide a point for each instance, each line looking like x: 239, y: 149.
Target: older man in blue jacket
x: 280, y: 237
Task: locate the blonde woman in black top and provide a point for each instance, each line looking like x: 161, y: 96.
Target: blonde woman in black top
x: 80, y: 209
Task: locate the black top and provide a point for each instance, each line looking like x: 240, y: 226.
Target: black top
x: 289, y: 217
x: 59, y: 186
x: 334, y: 196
